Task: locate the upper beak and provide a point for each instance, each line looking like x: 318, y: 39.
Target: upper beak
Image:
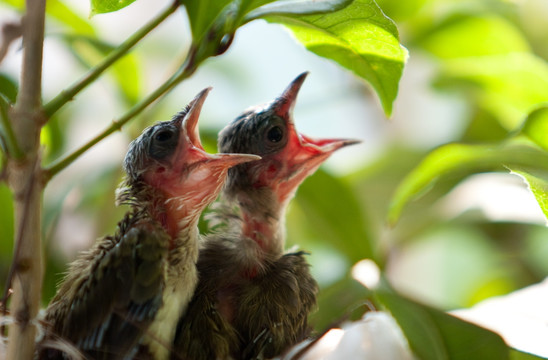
x: 190, y: 127
x: 190, y: 121
x: 284, y: 104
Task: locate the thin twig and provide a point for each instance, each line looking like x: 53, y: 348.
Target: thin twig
x: 68, y: 94
x: 184, y: 72
x: 13, y: 149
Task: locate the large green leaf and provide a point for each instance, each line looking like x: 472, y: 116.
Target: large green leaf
x: 358, y: 37
x: 106, y: 6
x: 508, y: 86
x: 463, y: 158
x: 336, y: 216
x: 435, y: 335
x: 463, y: 36
x: 353, y: 33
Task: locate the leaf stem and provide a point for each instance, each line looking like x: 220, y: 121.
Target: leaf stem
x: 182, y: 73
x: 68, y: 94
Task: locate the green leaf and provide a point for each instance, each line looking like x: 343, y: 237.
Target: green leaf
x: 518, y: 355
x: 536, y: 127
x: 297, y: 7
x: 360, y: 38
x: 537, y: 180
x: 202, y: 14
x: 402, y: 10
x: 463, y: 158
x: 106, y: 6
x: 435, y: 335
x: 463, y: 36
x: 508, y: 86
x: 336, y: 215
x: 214, y: 22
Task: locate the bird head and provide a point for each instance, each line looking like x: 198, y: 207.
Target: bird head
x: 169, y: 158
x: 287, y: 156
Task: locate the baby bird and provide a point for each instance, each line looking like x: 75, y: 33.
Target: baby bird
x: 253, y: 299
x: 123, y: 297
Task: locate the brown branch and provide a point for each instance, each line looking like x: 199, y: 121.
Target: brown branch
x: 24, y: 179
x: 17, y: 251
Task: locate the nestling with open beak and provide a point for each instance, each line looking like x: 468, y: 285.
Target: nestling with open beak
x: 122, y: 298
x: 253, y: 299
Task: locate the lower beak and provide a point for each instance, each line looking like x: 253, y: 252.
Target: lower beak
x: 327, y: 145
x: 230, y: 160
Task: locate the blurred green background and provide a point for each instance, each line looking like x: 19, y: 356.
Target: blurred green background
x: 476, y: 69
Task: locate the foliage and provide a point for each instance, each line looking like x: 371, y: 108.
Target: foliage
x: 480, y: 52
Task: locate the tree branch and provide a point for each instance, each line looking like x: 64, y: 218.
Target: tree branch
x: 23, y: 178
x: 67, y: 95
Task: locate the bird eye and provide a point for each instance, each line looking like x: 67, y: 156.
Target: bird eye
x: 163, y: 136
x: 275, y: 134
x: 163, y: 141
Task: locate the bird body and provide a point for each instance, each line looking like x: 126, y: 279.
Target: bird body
x: 109, y: 292
x: 122, y: 298
x: 253, y: 299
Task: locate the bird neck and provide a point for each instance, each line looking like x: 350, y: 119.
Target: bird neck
x: 179, y: 219
x: 177, y: 215
x: 263, y: 220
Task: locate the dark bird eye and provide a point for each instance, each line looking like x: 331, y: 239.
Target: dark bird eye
x: 163, y: 142
x: 275, y: 134
x: 163, y: 136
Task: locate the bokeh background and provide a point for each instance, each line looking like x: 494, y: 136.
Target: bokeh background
x: 476, y: 69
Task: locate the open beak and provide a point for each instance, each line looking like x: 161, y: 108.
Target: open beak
x: 189, y: 125
x: 301, y: 149
x: 189, y: 128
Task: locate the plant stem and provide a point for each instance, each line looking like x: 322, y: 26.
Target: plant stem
x: 24, y: 180
x: 68, y: 94
x: 184, y: 72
